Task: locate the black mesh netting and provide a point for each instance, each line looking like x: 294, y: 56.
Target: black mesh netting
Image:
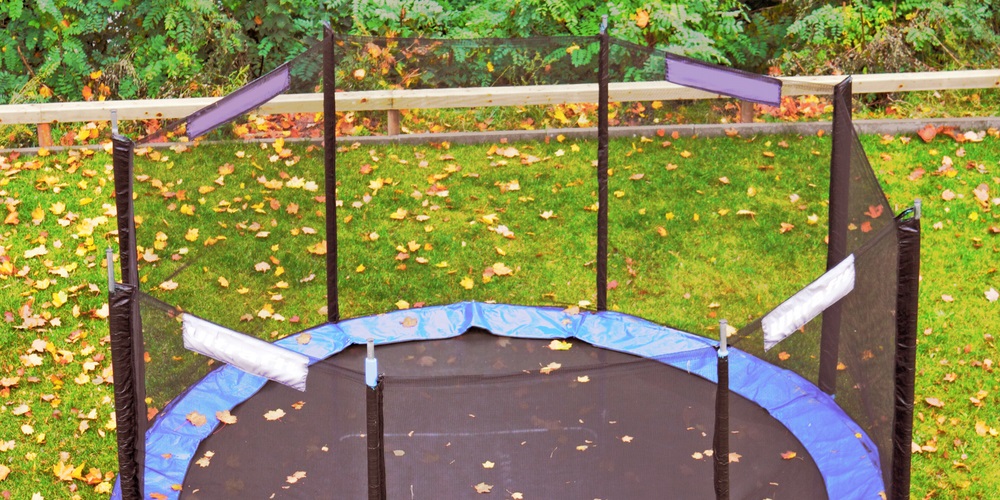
x: 369, y: 63
x: 603, y: 425
x: 170, y: 368
x: 867, y: 333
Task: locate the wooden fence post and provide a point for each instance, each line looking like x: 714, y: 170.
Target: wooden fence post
x: 393, y: 122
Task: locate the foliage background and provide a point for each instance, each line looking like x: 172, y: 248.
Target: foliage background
x: 66, y: 50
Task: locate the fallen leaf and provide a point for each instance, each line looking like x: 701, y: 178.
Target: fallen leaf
x: 467, y: 283
x: 551, y: 367
x: 226, y: 417
x: 196, y: 419
x: 488, y: 465
x: 935, y: 402
x: 274, y: 414
x: 294, y: 478
x: 992, y: 295
x: 560, y: 345
x: 483, y: 488
x: 788, y: 455
x: 409, y: 322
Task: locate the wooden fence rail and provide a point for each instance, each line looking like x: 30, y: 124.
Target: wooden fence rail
x: 44, y: 114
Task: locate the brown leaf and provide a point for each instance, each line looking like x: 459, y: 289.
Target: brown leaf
x: 935, y: 402
x: 196, y: 419
x: 483, y: 488
x: 225, y: 417
x: 928, y: 132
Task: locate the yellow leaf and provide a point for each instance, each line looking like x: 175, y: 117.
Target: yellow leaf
x: 37, y: 215
x: 488, y: 465
x: 402, y: 304
x: 560, y: 345
x: 360, y: 268
x: 399, y: 214
x: 191, y: 234
x: 223, y: 282
x: 4, y: 471
x: 409, y: 322
x: 483, y: 488
x: 57, y: 208
x: 467, y: 283
x: 59, y: 298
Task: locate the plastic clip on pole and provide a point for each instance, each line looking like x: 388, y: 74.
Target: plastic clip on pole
x: 114, y: 122
x: 604, y: 24
x: 371, y: 365
x: 110, y: 255
x: 917, y: 208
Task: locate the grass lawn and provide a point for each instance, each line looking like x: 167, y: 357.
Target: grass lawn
x: 234, y: 233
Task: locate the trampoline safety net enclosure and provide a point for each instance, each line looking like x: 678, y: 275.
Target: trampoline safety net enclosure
x: 519, y: 401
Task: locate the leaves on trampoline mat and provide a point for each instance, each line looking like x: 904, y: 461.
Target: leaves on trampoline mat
x: 788, y: 455
x: 488, y: 465
x: 298, y: 405
x: 549, y: 368
x: 583, y: 379
x: 560, y: 345
x: 274, y: 414
x: 225, y: 417
x: 294, y: 478
x: 627, y: 439
x: 196, y: 419
x: 409, y: 322
x: 697, y: 455
x: 734, y: 457
x: 206, y: 459
x: 303, y: 338
x: 483, y: 488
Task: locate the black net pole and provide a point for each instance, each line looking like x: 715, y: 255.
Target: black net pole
x: 120, y: 302
x: 840, y: 178
x: 126, y: 326
x: 330, y: 175
x: 720, y: 439
x: 602, y: 170
x: 376, y: 442
x: 906, y: 352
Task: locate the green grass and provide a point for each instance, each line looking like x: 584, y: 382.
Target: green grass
x: 710, y: 263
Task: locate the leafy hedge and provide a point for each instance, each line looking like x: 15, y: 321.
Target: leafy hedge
x: 120, y: 49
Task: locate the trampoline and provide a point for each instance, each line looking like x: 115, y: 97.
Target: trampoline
x: 527, y: 402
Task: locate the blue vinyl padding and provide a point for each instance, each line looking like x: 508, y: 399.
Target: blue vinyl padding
x: 845, y: 456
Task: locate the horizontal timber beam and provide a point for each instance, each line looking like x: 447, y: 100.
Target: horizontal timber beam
x: 381, y: 100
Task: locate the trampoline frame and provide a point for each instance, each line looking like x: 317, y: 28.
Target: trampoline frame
x: 797, y: 403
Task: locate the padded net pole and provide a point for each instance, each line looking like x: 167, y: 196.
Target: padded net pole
x: 906, y: 352
x: 720, y: 440
x: 840, y: 179
x: 330, y: 175
x: 126, y: 331
x: 374, y: 385
x: 602, y: 168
